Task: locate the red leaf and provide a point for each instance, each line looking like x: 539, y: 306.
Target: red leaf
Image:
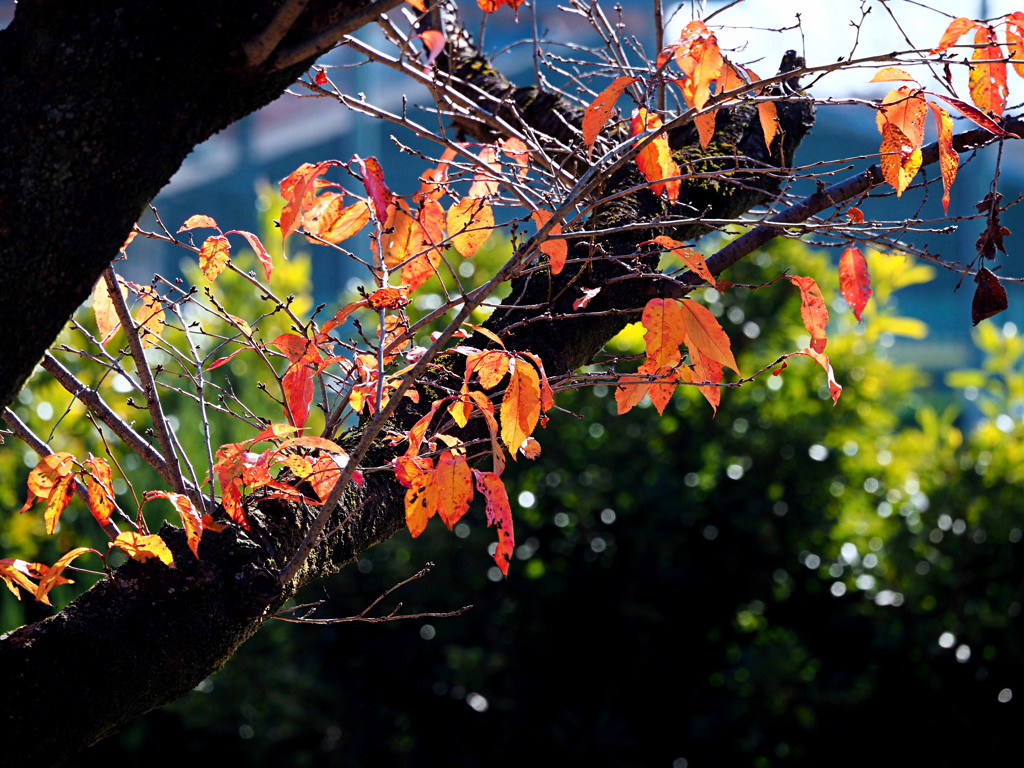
x: 854, y: 280
x: 321, y: 77
x: 600, y: 109
x: 100, y: 485
x: 812, y: 311
x: 588, y: 295
x: 655, y: 159
x: 949, y: 160
x: 989, y: 297
x: 956, y: 29
x: 197, y: 221
x: 976, y: 116
x: 434, y: 42
x: 373, y: 180
x: 257, y: 246
x: 556, y: 250
x: 499, y: 514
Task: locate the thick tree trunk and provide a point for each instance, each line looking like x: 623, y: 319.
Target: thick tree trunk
x: 100, y: 103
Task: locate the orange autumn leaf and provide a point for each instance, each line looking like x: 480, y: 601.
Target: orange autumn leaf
x: 486, y: 408
x: 414, y: 473
x: 854, y: 280
x: 107, y: 321
x: 485, y: 181
x: 704, y: 369
x: 835, y: 390
x: 214, y: 256
x: 661, y: 389
x: 143, y: 547
x: 490, y: 6
x: 596, y: 116
x: 905, y: 108
x: 889, y: 74
x: 691, y: 258
x: 470, y: 222
x: 900, y: 159
x: 373, y: 180
x: 705, y: 335
x: 490, y: 366
x: 519, y: 152
x: 813, y: 311
x: 297, y: 189
x: 1015, y: 40
x: 664, y: 331
x: 19, y: 573
x: 499, y: 514
x: 987, y: 77
x: 630, y: 389
x: 198, y: 221
x: 768, y: 116
x: 297, y: 382
x: 51, y: 577
x: 530, y: 448
x: 698, y: 56
x: 388, y: 298
x: 449, y: 489
x: 556, y: 250
x: 99, y: 483
x: 520, y: 405
x: 336, y: 222
x: 655, y: 159
x: 51, y: 480
x: 949, y: 160
x: 190, y: 517
x: 258, y: 248
x: 956, y: 29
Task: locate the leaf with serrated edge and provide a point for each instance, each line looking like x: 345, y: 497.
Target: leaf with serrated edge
x: 704, y: 334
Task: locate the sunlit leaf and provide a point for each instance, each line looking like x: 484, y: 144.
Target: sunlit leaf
x: 655, y: 159
x: 813, y: 311
x: 854, y: 280
x: 499, y: 514
x: 600, y: 109
x: 470, y: 222
x: 520, y: 406
x: 214, y: 256
x: 143, y: 547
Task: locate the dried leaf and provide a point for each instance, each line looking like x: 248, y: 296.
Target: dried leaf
x: 499, y: 514
x: 989, y: 297
x: 813, y: 311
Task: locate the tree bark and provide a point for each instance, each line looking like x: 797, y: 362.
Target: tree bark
x: 100, y: 103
